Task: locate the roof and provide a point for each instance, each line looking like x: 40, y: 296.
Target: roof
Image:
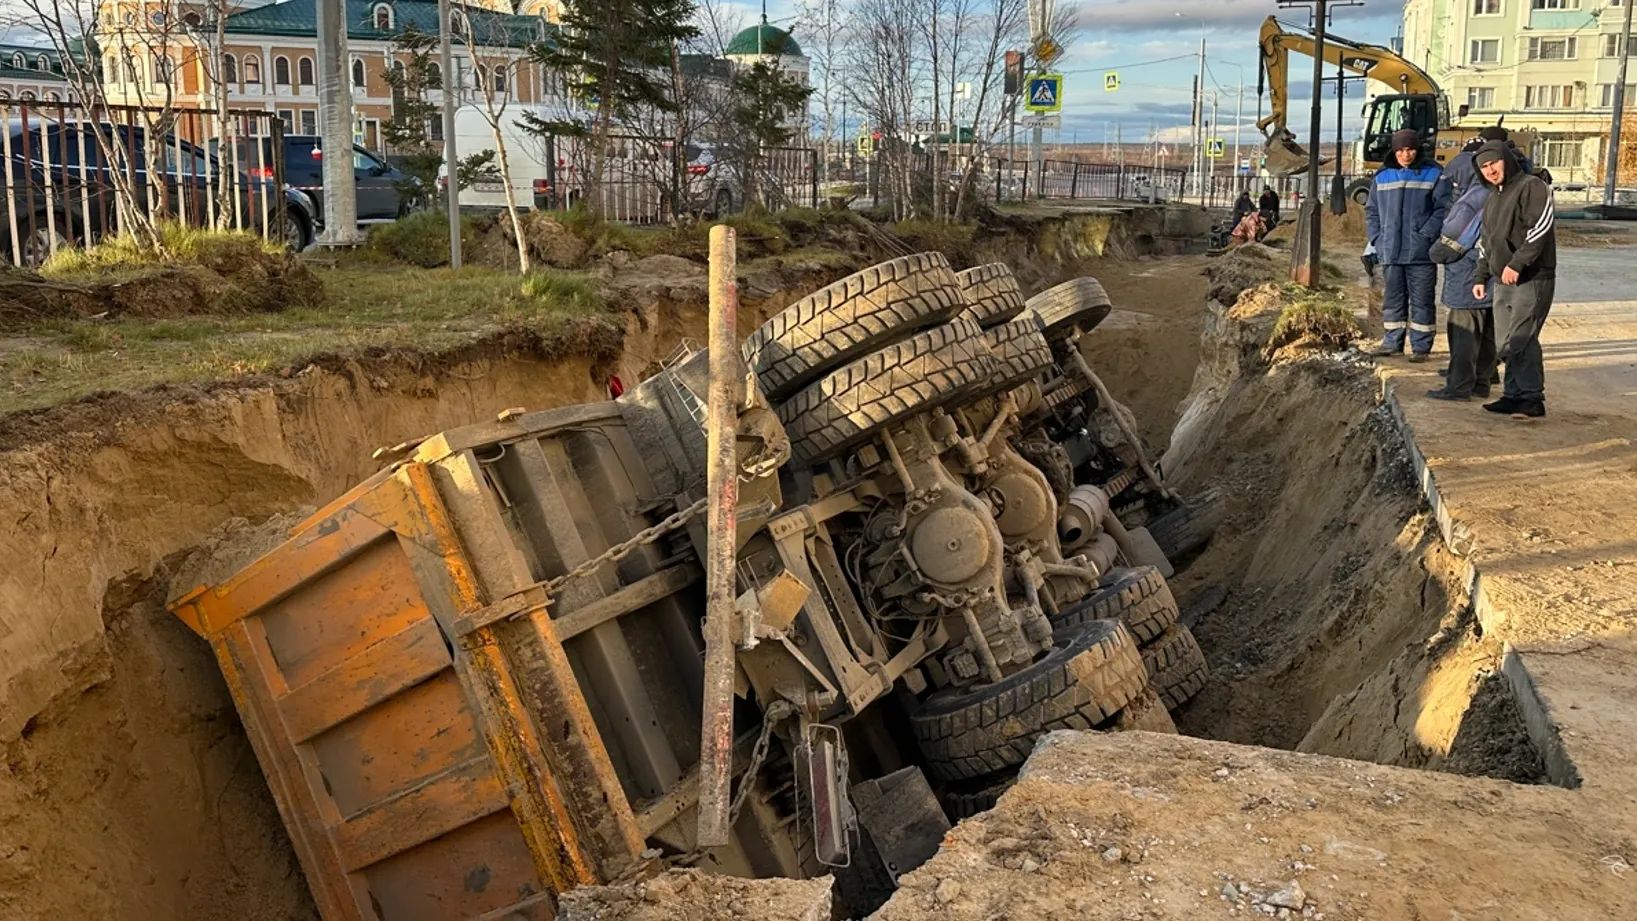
x: 31, y: 55
x: 300, y: 18
x: 764, y: 39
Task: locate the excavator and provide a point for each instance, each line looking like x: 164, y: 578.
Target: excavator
x: 1418, y: 102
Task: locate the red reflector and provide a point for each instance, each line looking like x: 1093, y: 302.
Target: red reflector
x: 615, y: 388
x: 698, y: 170
x: 261, y: 172
x: 542, y: 187
x: 318, y: 154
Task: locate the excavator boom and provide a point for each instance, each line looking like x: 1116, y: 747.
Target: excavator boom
x: 1284, y: 156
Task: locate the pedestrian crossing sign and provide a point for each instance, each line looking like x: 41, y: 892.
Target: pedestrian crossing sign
x: 1213, y: 148
x: 1111, y: 82
x: 1045, y: 93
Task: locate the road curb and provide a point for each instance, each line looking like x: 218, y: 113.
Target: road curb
x: 1458, y: 537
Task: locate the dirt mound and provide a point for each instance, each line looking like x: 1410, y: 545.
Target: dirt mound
x: 238, y: 277
x: 692, y: 895
x: 1243, y: 268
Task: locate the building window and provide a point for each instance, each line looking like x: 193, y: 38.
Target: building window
x: 1611, y: 45
x: 1561, y: 153
x: 1485, y: 51
x: 358, y: 73
x: 157, y: 17
x: 304, y: 71
x: 110, y: 73
x: 309, y: 121
x: 1553, y: 96
x: 192, y: 20
x: 1486, y: 7
x: 1553, y: 49
x: 457, y: 22
x: 434, y: 76
x: 230, y: 69
x: 1480, y: 98
x: 18, y: 61
x: 42, y: 63
x: 499, y: 79
x: 1608, y: 95
x: 163, y: 69
x: 281, y: 71
x: 53, y: 96
x: 434, y: 128
x: 383, y: 17
x: 1554, y: 4
x: 130, y: 18
x: 287, y: 121
x: 252, y: 70
x: 26, y: 96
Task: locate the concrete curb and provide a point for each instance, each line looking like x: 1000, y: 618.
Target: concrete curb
x: 1536, y: 709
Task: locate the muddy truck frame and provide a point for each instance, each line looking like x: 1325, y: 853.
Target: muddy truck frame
x: 476, y: 680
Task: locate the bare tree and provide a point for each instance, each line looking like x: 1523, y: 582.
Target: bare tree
x: 886, y: 71
x: 497, y: 65
x: 825, y: 22
x: 1005, y: 26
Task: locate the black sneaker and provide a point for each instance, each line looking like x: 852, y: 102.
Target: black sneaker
x: 1442, y: 394
x: 1419, y: 357
x: 1481, y: 392
x: 1529, y: 409
x: 1382, y: 351
x: 1443, y: 372
x: 1505, y: 405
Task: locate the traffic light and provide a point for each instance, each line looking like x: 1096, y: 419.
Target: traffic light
x: 1014, y: 72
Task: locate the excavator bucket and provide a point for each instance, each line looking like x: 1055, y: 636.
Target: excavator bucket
x: 1285, y: 157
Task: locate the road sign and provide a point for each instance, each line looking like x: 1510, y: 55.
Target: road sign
x: 1111, y: 81
x: 866, y: 146
x: 1049, y: 122
x: 1046, y: 51
x: 1213, y: 148
x: 1045, y: 93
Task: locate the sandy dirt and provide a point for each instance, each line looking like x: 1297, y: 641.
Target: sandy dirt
x: 1147, y: 348
x: 692, y: 895
x: 1135, y: 826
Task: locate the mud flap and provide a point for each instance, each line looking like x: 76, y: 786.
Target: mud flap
x: 821, y: 761
x: 902, y: 818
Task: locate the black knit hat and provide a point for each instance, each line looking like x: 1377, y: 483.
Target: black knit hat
x: 1489, y: 153
x: 1406, y: 139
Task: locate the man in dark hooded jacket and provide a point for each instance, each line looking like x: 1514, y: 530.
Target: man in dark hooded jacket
x: 1470, y: 328
x: 1518, y: 248
x: 1409, y: 197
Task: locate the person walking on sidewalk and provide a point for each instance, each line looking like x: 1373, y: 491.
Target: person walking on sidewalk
x: 1408, y: 201
x: 1518, y: 248
x: 1471, y: 324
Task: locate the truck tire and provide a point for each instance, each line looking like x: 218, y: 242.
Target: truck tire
x: 993, y: 293
x: 1176, y: 666
x: 1138, y: 598
x: 1187, y: 528
x: 847, y: 407
x: 1081, y: 684
x: 1021, y: 354
x: 853, y: 317
x: 1077, y: 304
x: 1146, y: 713
x: 968, y: 798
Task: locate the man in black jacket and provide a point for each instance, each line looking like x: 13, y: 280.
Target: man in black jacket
x: 1518, y: 247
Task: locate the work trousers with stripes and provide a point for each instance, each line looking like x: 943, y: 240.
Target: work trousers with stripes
x: 1409, y: 305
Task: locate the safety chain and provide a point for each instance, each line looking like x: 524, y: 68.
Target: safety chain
x: 620, y: 550
x: 779, y: 711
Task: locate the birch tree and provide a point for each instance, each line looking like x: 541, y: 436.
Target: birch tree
x: 497, y: 65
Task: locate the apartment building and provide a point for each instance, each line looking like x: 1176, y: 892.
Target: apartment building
x: 30, y: 74
x: 1549, y: 65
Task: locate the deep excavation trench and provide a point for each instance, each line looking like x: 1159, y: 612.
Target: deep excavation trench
x: 128, y: 790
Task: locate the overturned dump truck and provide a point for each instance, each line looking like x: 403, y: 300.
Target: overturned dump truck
x: 475, y: 680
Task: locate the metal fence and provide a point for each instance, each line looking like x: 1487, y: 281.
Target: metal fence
x: 644, y: 183
x: 64, y: 162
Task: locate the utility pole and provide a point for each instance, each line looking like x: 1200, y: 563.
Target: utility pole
x: 1238, y: 126
x: 1613, y: 158
x: 1214, y: 128
x: 1306, y: 260
x: 335, y: 126
x: 446, y: 57
x: 1199, y: 118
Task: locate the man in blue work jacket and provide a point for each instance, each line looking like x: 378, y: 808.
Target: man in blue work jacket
x: 1408, y: 201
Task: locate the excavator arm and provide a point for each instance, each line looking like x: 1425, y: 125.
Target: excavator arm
x: 1279, y: 40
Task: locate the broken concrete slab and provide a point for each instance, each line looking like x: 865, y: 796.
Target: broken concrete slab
x: 694, y: 895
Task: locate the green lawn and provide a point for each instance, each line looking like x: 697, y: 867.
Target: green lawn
x: 367, y: 306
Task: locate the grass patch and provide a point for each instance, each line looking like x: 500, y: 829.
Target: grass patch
x: 367, y: 307
x: 221, y: 251
x: 954, y: 239
x: 420, y: 239
x: 1313, y: 321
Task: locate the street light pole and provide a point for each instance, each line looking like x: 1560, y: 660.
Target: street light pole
x: 446, y: 57
x: 1613, y: 165
x: 335, y: 125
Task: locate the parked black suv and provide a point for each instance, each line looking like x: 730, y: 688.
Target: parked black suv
x: 51, y: 200
x: 380, y: 185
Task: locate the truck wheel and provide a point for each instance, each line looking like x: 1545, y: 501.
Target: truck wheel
x: 993, y: 293
x: 1187, y: 528
x: 1146, y: 713
x: 1138, y: 598
x: 1176, y: 666
x: 847, y: 407
x: 851, y: 318
x: 967, y: 798
x: 1081, y: 684
x: 1021, y: 353
x: 1081, y: 303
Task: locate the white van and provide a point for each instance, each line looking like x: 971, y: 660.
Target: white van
x: 541, y: 169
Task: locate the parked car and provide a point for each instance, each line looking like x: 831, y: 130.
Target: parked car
x: 712, y: 186
x: 385, y: 193
x: 53, y: 202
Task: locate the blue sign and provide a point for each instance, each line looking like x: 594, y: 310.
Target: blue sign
x: 1045, y: 93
